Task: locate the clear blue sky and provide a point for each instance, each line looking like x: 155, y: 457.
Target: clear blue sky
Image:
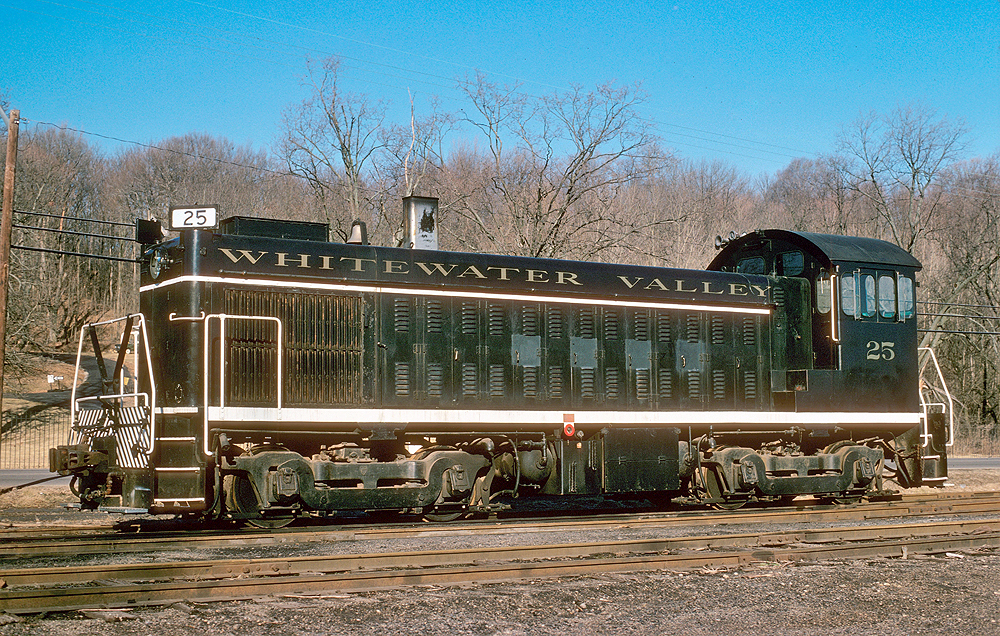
x: 753, y: 84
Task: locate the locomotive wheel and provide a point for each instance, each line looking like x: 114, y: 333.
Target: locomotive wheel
x: 842, y: 499
x: 240, y: 498
x: 436, y: 515
x: 443, y: 517
x: 714, y: 486
x: 846, y: 498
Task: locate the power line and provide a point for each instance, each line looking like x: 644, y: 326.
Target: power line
x: 171, y: 150
x: 964, y: 333
x: 721, y: 140
x: 928, y: 302
x: 83, y: 254
x: 970, y: 316
x: 371, y: 44
x: 70, y: 232
x: 284, y: 173
x: 527, y: 81
x: 74, y: 218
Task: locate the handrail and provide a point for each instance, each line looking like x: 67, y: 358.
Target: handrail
x: 222, y: 363
x: 834, y: 309
x: 150, y: 397
x: 926, y: 405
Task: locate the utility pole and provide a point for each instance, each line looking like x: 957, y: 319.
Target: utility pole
x: 6, y: 222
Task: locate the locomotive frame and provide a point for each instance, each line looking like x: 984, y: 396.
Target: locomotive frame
x: 280, y: 375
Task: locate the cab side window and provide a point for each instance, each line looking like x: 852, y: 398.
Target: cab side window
x: 906, y: 302
x: 848, y: 296
x: 886, y: 297
x: 864, y: 296
x: 868, y: 300
x: 824, y: 299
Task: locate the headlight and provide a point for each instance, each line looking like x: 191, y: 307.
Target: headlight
x: 159, y: 262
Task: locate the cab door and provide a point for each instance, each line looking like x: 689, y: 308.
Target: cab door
x: 877, y: 349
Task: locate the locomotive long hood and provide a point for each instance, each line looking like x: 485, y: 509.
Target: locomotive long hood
x: 228, y: 256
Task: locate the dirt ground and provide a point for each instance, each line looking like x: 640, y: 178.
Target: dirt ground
x: 957, y: 593
x: 24, y: 389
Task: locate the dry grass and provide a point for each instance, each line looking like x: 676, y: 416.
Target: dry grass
x: 34, y: 379
x: 42, y: 496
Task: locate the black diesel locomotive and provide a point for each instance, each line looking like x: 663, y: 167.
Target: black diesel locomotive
x: 279, y: 375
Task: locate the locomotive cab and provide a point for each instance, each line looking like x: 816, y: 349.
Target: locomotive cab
x: 862, y: 318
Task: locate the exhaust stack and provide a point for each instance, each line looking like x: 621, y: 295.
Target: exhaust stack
x: 421, y: 222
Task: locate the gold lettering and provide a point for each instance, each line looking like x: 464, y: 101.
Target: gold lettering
x: 629, y: 283
x: 242, y: 254
x: 396, y: 267
x: 537, y: 276
x: 738, y: 289
x: 761, y: 291
x: 567, y: 277
x: 707, y: 289
x: 656, y: 282
x: 302, y: 260
x: 326, y: 262
x: 430, y: 268
x: 472, y: 270
x: 357, y: 262
x: 503, y: 271
x: 681, y: 288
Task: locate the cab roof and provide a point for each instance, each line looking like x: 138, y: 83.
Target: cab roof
x: 827, y: 249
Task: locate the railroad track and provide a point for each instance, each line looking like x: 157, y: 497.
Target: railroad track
x: 34, y: 590
x: 54, y: 543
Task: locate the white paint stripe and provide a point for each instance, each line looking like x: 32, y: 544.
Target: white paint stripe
x: 551, y: 418
x: 451, y: 293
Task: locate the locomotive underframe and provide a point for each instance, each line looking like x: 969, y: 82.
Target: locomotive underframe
x: 290, y: 473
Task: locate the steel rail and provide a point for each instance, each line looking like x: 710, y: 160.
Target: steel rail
x: 217, y: 569
x: 61, y: 589
x: 51, y: 543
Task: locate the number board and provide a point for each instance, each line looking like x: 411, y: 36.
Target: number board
x: 205, y: 217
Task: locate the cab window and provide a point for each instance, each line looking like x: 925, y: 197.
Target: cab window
x: 905, y: 298
x: 823, y: 296
x: 868, y: 287
x: 754, y: 265
x: 792, y: 263
x: 886, y: 297
x: 848, y: 296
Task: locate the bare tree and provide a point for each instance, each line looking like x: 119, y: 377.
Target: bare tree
x: 555, y: 166
x: 52, y: 293
x: 716, y: 199
x: 817, y: 195
x: 415, y: 153
x: 895, y: 159
x: 194, y: 169
x: 330, y: 140
x: 962, y: 283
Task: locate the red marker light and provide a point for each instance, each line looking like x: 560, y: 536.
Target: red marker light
x: 569, y: 428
